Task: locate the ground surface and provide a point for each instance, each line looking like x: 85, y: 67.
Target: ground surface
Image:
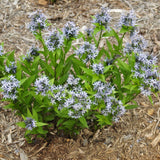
x: 135, y: 137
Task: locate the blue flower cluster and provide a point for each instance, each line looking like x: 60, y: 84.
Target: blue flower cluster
x: 42, y: 85
x: 112, y: 105
x: 73, y: 98
x: 33, y: 52
x: 30, y: 123
x: 137, y: 45
x: 12, y: 68
x: 87, y: 52
x: 9, y: 87
x: 54, y: 40
x: 98, y: 68
x: 70, y: 30
x: 103, y: 18
x: 72, y: 81
x: 38, y: 21
x: 57, y: 94
x: 1, y: 50
x: 78, y: 103
x: 128, y: 20
x: 144, y: 69
x: 89, y: 32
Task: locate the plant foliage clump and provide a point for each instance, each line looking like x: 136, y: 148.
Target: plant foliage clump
x: 48, y: 86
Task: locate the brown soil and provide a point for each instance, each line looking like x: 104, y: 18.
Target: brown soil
x: 135, y: 137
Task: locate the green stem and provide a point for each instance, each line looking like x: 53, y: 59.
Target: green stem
x: 100, y: 36
x: 55, y: 68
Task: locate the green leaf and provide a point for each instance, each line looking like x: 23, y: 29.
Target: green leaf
x: 123, y: 66
x: 25, y: 68
x: 49, y: 117
x: 131, y: 106
x: 150, y: 99
x: 11, y: 56
x: 21, y: 124
x: 83, y: 122
x: 100, y: 54
x: 69, y: 124
x: 115, y: 34
x: 77, y: 69
x: 125, y: 29
x: 109, y: 45
x: 95, y: 78
x: 59, y: 69
x: 28, y: 82
x: 40, y: 124
x: 88, y: 71
x: 117, y: 77
x: 63, y: 113
x: 63, y: 79
x: 78, y: 62
x: 107, y: 68
x: 29, y: 113
x: 46, y: 67
x: 35, y: 63
x: 60, y: 121
x: 85, y: 78
x: 95, y: 41
x: 68, y: 46
x: 41, y: 131
x: 35, y: 115
x: 19, y: 71
x: 87, y: 86
x: 104, y: 120
x: 11, y: 105
x: 69, y: 58
x: 131, y: 60
x: 67, y: 67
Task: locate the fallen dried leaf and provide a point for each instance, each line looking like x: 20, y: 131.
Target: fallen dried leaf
x: 44, y: 145
x: 9, y: 138
x: 149, y: 135
x: 80, y: 151
x: 23, y: 155
x: 157, y: 104
x: 150, y: 112
x: 144, y: 104
x: 42, y: 2
x: 156, y: 140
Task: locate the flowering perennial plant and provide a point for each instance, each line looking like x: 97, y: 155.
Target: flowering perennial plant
x: 54, y: 40
x: 11, y: 68
x: 9, y: 87
x: 103, y: 18
x: 128, y: 20
x: 137, y: 45
x: 1, y: 50
x: 49, y: 87
x: 89, y: 32
x: 144, y: 69
x: 98, y: 68
x: 30, y: 123
x: 87, y: 52
x: 70, y: 30
x: 33, y: 51
x: 38, y: 21
x: 42, y: 85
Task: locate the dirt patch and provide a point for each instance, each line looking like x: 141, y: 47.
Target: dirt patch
x: 135, y: 137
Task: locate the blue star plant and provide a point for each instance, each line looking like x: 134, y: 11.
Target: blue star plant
x: 49, y: 87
